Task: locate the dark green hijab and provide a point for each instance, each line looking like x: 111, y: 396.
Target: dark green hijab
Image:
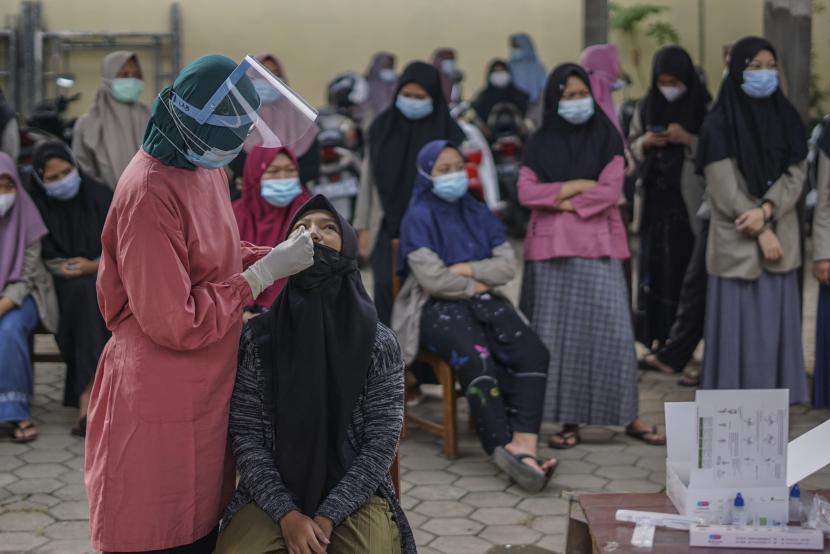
x: 196, y: 84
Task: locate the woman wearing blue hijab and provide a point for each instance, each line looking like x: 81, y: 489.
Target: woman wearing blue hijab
x: 454, y: 257
x: 529, y: 75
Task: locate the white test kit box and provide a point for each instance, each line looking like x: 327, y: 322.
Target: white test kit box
x: 727, y: 536
x: 736, y: 441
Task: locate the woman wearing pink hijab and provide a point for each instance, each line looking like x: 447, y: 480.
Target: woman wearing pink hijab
x: 602, y: 62
x: 271, y: 193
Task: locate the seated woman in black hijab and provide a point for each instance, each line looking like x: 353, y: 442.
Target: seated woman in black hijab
x: 74, y: 208
x: 317, y: 411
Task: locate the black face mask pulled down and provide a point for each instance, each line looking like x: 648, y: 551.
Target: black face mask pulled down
x: 321, y: 331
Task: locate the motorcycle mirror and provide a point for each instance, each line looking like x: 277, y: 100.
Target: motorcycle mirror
x: 65, y: 80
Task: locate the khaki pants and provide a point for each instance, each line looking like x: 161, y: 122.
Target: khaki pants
x: 370, y: 530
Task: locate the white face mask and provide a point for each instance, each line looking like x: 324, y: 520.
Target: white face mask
x: 673, y: 93
x: 500, y: 79
x: 6, y: 202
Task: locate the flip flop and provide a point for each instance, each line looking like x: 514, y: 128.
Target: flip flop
x: 565, y: 436
x: 80, y: 429
x: 524, y: 475
x: 688, y: 382
x: 641, y: 436
x: 24, y: 426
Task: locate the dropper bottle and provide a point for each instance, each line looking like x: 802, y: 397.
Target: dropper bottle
x: 738, y: 511
x: 796, y: 508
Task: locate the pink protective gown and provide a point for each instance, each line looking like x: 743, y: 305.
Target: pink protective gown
x: 158, y: 468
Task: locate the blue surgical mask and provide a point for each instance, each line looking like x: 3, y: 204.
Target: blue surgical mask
x: 448, y: 67
x: 280, y: 192
x: 387, y: 75
x: 619, y: 84
x: 576, y: 112
x: 127, y: 90
x: 6, y: 202
x: 267, y: 93
x: 450, y: 187
x: 66, y: 188
x: 213, y: 158
x: 516, y: 53
x: 414, y: 108
x: 760, y: 83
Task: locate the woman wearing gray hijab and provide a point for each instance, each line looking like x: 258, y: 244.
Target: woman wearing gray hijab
x: 107, y: 137
x: 383, y: 83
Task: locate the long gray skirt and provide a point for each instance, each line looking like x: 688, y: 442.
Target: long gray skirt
x: 579, y: 309
x: 753, y: 335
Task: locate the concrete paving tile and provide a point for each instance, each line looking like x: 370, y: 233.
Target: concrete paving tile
x: 72, y: 546
x: 32, y: 486
x: 40, y: 470
x: 622, y: 472
x: 68, y: 530
x: 71, y: 492
x: 469, y: 468
x: 422, y: 461
x: 443, y: 508
x: 579, y: 482
x: 430, y: 477
x: 24, y: 521
x: 510, y: 534
x: 634, y: 485
x: 73, y: 510
x: 550, y: 525
x: 611, y: 458
x: 20, y: 542
x: 544, y: 506
x: 422, y: 538
x: 437, y: 492
x: 461, y: 545
x: 50, y: 455
x: 554, y: 543
x: 491, y: 499
x: 501, y: 516
x: 448, y: 526
x: 485, y: 483
x: 9, y: 463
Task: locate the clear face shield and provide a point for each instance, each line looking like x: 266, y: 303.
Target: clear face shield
x: 252, y: 107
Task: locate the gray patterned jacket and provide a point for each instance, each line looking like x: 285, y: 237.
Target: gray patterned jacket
x: 372, y: 437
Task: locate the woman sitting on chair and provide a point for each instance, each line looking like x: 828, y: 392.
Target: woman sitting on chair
x: 453, y: 258
x: 317, y: 411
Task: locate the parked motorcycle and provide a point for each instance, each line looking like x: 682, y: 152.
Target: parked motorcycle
x: 48, y: 120
x: 507, y: 131
x: 340, y: 142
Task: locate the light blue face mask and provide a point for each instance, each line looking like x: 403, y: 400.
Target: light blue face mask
x: 576, y: 112
x: 760, y: 83
x: 619, y: 84
x: 127, y: 90
x: 213, y: 158
x: 66, y: 188
x: 450, y: 187
x: 414, y: 108
x: 267, y: 93
x: 280, y: 192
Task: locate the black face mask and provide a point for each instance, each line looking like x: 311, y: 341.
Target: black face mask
x: 328, y: 264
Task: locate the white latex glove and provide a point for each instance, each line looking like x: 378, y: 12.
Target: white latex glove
x: 284, y: 260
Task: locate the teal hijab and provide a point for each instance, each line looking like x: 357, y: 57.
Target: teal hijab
x: 196, y: 84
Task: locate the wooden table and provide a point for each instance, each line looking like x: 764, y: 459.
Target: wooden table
x: 593, y: 528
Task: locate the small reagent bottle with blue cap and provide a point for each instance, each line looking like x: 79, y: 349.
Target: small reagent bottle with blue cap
x: 738, y: 511
x: 796, y: 508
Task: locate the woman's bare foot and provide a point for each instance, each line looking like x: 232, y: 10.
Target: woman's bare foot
x: 527, y: 443
x: 652, y: 361
x: 642, y: 431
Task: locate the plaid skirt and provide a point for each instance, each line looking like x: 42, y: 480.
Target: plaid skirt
x: 579, y: 308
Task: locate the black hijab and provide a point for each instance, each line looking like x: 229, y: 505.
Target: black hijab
x: 394, y: 143
x: 561, y: 151
x: 688, y: 110
x: 75, y: 225
x: 764, y: 135
x: 317, y: 343
x: 490, y: 95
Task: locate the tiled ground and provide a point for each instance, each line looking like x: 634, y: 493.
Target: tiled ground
x: 463, y: 507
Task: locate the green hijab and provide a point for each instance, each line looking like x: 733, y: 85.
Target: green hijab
x: 196, y: 84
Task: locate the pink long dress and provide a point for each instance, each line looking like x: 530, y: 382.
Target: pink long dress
x: 158, y: 469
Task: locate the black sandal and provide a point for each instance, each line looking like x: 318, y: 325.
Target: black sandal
x: 641, y: 436
x: 20, y: 429
x: 565, y: 435
x: 527, y: 477
x: 80, y: 429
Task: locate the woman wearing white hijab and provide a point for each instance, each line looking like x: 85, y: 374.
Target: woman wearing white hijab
x: 107, y: 137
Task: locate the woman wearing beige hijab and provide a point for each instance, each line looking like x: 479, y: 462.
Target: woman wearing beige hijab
x: 107, y: 137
